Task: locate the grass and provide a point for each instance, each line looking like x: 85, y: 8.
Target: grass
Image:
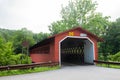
x: 109, y: 66
x: 17, y: 72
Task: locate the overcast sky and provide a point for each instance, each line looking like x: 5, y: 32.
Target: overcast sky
x: 36, y: 15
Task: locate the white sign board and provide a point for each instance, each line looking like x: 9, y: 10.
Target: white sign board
x: 83, y: 35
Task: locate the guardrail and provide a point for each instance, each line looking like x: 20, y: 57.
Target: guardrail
x: 27, y: 66
x: 107, y: 63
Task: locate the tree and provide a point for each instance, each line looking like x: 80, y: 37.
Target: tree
x: 98, y: 24
x: 57, y: 27
x: 40, y: 36
x: 116, y: 57
x: 8, y: 57
x: 6, y: 50
x: 80, y: 13
x: 20, y: 37
x: 112, y: 38
x: 77, y: 12
x: 6, y: 34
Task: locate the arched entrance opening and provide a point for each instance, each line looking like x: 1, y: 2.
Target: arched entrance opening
x: 76, y: 50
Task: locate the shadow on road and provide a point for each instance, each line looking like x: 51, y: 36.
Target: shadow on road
x: 75, y: 64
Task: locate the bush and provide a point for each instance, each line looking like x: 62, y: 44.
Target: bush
x: 20, y: 59
x: 8, y: 57
x: 100, y: 57
x: 103, y: 56
x: 116, y: 57
x: 25, y: 59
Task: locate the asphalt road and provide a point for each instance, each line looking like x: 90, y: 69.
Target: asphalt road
x: 90, y: 72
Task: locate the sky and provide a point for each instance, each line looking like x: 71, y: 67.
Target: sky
x: 37, y: 15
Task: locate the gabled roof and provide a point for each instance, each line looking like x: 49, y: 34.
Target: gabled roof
x: 80, y: 29
x: 49, y: 39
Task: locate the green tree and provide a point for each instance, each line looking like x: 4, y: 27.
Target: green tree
x: 8, y: 57
x: 57, y: 27
x: 98, y: 24
x: 6, y: 50
x: 40, y: 36
x: 112, y: 39
x: 115, y: 57
x: 6, y: 34
x: 20, y: 37
x: 77, y: 12
x: 80, y: 12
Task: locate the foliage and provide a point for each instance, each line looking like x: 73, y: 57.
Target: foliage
x: 37, y: 69
x: 17, y: 37
x: 12, y: 50
x: 6, y: 51
x: 20, y: 59
x: 80, y: 13
x: 6, y: 34
x: 115, y: 57
x: 109, y: 66
x: 98, y: 24
x: 110, y: 58
x: 40, y: 36
x: 8, y: 57
x: 77, y: 12
x: 100, y: 56
x: 20, y: 37
x: 111, y: 39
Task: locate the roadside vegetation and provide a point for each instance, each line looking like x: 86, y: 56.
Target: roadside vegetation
x: 109, y: 66
x: 25, y: 71
x: 111, y: 58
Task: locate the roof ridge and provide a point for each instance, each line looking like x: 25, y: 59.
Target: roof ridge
x: 79, y: 27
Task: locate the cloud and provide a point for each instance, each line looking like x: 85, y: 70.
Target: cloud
x: 109, y: 8
x: 36, y: 15
x: 33, y: 14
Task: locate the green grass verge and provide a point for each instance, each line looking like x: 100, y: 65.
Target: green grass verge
x: 17, y: 72
x: 109, y: 66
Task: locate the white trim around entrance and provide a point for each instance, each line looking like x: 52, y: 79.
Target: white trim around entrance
x: 74, y: 37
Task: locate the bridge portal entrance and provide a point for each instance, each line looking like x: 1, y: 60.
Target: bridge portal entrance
x: 76, y: 51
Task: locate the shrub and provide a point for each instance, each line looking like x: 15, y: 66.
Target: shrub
x: 8, y: 57
x: 116, y: 57
x: 20, y: 59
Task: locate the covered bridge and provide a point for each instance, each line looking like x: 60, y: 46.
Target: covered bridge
x: 72, y: 46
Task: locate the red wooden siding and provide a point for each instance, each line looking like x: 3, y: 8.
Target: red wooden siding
x: 43, y: 56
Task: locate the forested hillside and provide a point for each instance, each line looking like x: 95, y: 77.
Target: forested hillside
x: 12, y: 50
x: 17, y: 37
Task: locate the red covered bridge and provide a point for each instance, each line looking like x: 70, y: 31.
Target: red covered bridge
x: 72, y: 46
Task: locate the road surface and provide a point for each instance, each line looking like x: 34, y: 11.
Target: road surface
x: 90, y: 72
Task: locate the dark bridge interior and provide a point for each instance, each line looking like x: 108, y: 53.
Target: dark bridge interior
x: 72, y: 51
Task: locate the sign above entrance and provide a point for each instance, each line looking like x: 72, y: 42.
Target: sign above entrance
x: 71, y: 34
x: 83, y: 35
